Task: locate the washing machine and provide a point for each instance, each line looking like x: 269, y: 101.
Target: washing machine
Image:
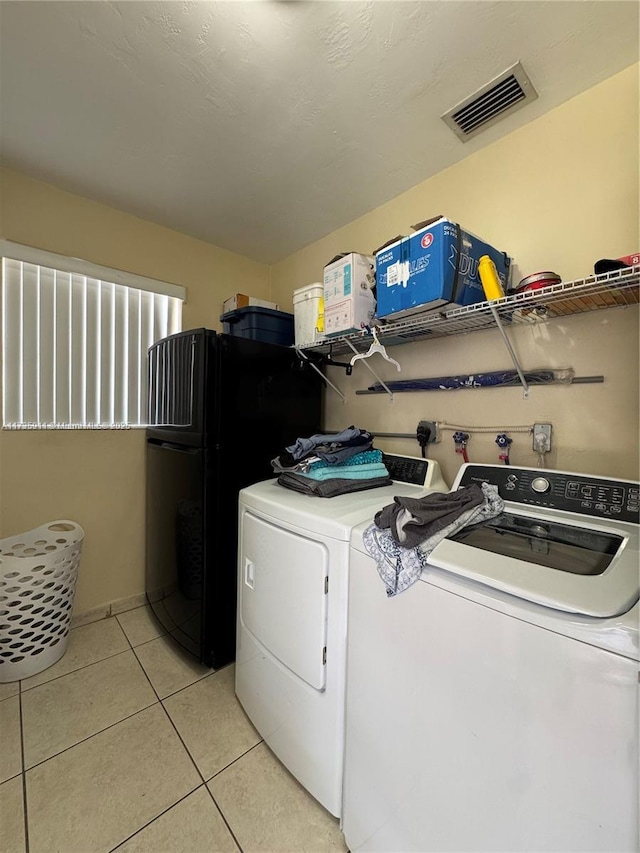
x: 493, y: 705
x: 292, y: 616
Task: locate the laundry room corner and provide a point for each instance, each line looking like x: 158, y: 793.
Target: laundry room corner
x: 320, y: 438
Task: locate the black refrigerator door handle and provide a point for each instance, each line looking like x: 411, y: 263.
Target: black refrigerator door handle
x: 179, y: 448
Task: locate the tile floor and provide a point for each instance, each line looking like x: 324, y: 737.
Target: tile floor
x: 128, y: 744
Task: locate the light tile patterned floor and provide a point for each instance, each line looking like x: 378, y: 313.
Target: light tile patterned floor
x: 127, y: 744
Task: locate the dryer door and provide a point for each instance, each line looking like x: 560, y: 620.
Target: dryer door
x: 283, y: 600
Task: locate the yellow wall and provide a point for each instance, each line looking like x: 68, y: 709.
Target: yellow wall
x: 557, y: 194
x: 95, y: 477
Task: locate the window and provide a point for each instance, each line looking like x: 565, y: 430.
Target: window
x: 75, y: 339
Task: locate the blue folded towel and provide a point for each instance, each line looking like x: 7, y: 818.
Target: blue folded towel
x: 347, y: 472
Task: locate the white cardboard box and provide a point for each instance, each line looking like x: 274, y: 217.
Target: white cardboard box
x: 348, y: 300
x: 240, y: 300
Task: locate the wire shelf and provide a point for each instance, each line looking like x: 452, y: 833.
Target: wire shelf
x: 617, y: 289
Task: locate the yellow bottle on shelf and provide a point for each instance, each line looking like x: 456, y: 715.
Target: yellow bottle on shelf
x: 320, y: 320
x: 489, y: 278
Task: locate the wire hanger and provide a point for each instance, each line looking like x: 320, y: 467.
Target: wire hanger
x: 376, y: 347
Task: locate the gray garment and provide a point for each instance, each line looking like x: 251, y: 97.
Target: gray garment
x: 350, y: 441
x: 331, y: 455
x: 400, y: 567
x: 329, y: 488
x: 340, y: 454
x: 298, y: 468
x: 412, y: 520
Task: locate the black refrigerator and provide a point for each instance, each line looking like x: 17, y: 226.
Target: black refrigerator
x: 219, y: 409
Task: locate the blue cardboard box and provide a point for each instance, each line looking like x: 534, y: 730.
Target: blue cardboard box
x: 435, y: 268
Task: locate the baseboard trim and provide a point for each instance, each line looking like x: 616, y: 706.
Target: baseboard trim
x: 103, y: 611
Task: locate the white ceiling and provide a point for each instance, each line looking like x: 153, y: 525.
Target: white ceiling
x: 262, y: 126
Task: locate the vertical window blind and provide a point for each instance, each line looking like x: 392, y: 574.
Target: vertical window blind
x: 74, y: 347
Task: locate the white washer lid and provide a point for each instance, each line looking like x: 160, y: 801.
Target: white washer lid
x: 606, y: 595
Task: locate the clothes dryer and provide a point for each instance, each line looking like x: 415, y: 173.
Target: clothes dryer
x: 493, y: 705
x: 292, y: 616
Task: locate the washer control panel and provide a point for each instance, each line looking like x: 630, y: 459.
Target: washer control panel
x: 407, y: 469
x: 580, y: 493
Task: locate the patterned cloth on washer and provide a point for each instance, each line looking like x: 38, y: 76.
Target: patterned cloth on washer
x: 401, y: 567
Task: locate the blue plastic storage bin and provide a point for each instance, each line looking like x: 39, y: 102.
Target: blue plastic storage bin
x: 260, y: 324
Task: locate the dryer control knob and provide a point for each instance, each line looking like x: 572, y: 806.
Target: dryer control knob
x: 540, y: 485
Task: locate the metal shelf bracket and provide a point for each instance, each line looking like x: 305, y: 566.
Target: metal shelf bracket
x: 326, y: 381
x: 514, y: 357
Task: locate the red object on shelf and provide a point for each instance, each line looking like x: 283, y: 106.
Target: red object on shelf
x: 537, y: 280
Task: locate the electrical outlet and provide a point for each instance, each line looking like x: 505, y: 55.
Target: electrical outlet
x: 542, y: 438
x: 431, y: 429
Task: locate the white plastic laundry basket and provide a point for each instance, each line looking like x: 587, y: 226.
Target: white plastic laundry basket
x: 38, y: 574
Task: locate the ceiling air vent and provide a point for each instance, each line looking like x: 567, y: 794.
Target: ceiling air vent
x: 503, y: 95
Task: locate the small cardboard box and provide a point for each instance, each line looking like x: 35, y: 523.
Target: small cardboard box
x: 240, y: 300
x: 434, y: 268
x: 348, y: 299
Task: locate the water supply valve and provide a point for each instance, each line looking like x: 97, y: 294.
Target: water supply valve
x: 460, y: 440
x: 504, y: 443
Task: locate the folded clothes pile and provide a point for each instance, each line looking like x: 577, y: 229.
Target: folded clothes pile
x: 332, y: 464
x: 405, y: 532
